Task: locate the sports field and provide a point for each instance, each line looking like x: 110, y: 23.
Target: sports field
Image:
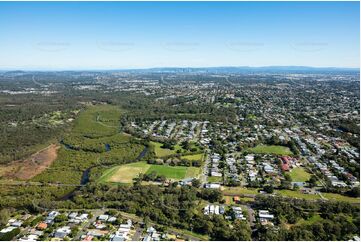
x: 271, y: 149
x: 299, y: 174
x: 126, y: 173
x: 172, y: 172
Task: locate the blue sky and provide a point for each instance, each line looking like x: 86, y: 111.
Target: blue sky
x: 108, y: 35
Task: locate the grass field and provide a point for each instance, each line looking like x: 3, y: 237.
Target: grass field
x: 126, y: 173
x: 97, y: 121
x: 159, y: 151
x: 193, y: 157
x: 233, y: 191
x: 270, y: 149
x: 299, y: 174
x: 329, y: 196
x: 339, y: 197
x: 193, y: 171
x: 172, y: 172
x: 214, y: 179
x: 297, y: 194
x: 315, y: 218
x: 237, y: 191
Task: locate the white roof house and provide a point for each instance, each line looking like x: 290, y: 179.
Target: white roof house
x: 73, y: 215
x: 16, y: 224
x: 216, y: 209
x: 264, y: 214
x: 103, y: 217
x: 53, y: 214
x: 213, y: 186
x: 7, y: 229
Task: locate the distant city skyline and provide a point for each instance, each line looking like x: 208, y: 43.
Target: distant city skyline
x: 127, y: 35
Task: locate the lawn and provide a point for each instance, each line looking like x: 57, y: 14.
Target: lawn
x: 299, y: 174
x: 159, y: 151
x: 193, y: 171
x: 315, y: 218
x: 330, y: 196
x: 172, y: 172
x: 297, y: 194
x: 238, y: 191
x: 212, y: 179
x: 126, y: 173
x: 193, y: 157
x: 99, y: 120
x: 271, y: 149
x: 339, y: 197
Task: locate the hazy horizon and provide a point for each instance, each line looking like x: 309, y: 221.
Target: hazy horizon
x: 141, y: 35
x: 184, y: 67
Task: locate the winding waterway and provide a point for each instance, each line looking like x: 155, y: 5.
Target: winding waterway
x: 85, y: 176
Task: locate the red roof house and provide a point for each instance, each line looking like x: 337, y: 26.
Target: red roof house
x: 285, y: 167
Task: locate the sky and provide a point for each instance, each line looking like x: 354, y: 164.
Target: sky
x: 120, y: 35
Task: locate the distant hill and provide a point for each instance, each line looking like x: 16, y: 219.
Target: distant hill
x: 246, y: 69
x: 212, y: 70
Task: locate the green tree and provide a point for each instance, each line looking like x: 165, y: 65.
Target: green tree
x: 241, y: 231
x: 4, y: 216
x: 268, y: 189
x: 312, y: 182
x: 196, y: 182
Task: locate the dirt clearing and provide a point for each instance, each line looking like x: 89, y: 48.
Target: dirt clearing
x: 32, y: 166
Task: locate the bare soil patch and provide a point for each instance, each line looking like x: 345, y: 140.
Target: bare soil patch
x: 32, y: 166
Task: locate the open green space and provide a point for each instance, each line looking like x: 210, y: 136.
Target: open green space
x: 193, y: 157
x: 329, y: 196
x: 93, y: 143
x: 339, y: 197
x: 161, y: 152
x: 193, y: 172
x: 212, y: 179
x: 172, y: 172
x: 238, y: 191
x: 194, y: 234
x: 297, y: 194
x: 298, y: 174
x: 315, y: 218
x: 270, y: 149
x: 98, y: 121
x: 126, y: 173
